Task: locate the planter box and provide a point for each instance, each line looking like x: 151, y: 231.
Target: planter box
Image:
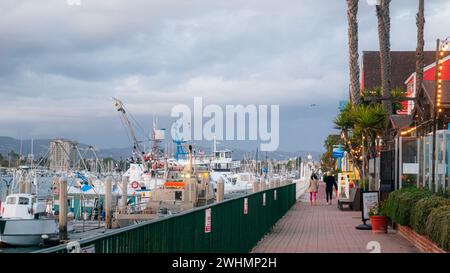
x: 424, y: 244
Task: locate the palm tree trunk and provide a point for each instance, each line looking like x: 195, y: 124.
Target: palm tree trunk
x: 352, y: 14
x: 420, y: 22
x: 384, y: 27
x: 420, y: 63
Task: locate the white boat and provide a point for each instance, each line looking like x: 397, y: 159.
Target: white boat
x: 23, y: 222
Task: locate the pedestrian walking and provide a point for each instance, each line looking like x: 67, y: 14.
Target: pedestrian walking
x: 330, y: 182
x: 313, y: 188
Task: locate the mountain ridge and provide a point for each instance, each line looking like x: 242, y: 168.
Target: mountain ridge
x: 41, y: 146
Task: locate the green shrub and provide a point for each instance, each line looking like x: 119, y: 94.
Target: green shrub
x: 392, y: 203
x: 422, y: 209
x: 438, y: 227
x: 400, y: 204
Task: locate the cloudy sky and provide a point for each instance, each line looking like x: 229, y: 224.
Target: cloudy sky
x: 60, y: 64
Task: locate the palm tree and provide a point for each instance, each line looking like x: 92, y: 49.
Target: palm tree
x: 384, y: 27
x: 420, y: 22
x: 361, y: 126
x: 352, y: 15
x: 397, y: 94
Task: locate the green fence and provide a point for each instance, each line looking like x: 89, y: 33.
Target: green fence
x: 232, y: 230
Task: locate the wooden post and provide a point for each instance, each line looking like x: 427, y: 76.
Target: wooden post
x: 20, y: 184
x: 220, y: 190
x: 28, y: 185
x: 271, y: 183
x: 124, y: 194
x: 262, y: 184
x: 255, y: 186
x: 63, y: 208
x: 108, y: 203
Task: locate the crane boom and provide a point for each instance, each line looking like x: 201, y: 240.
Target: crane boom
x: 119, y: 108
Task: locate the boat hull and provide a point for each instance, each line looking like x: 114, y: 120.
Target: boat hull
x: 26, y: 232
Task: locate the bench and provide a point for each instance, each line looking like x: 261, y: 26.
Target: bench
x: 350, y: 202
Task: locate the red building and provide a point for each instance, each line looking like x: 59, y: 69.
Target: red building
x: 429, y: 86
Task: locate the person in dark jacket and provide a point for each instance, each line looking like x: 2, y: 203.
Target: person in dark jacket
x: 330, y: 182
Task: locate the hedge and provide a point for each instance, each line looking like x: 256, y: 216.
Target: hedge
x: 422, y: 209
x: 400, y: 204
x: 438, y: 226
x: 426, y: 213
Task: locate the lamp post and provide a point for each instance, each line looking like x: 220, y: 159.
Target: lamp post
x: 441, y: 47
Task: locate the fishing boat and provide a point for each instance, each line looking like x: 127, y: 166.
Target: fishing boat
x: 24, y: 221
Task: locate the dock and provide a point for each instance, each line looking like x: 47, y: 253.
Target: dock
x: 326, y: 229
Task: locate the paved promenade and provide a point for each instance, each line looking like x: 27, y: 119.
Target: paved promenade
x: 326, y: 229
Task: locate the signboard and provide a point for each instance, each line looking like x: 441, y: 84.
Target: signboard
x: 245, y: 205
x: 410, y: 168
x: 370, y: 199
x: 343, y: 186
x: 208, y: 220
x: 338, y: 152
x: 264, y: 199
x: 275, y: 195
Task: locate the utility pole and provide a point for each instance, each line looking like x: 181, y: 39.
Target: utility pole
x: 435, y: 118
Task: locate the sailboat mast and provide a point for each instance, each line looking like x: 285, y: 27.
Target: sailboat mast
x: 32, y: 154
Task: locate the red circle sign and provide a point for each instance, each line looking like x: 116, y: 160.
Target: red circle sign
x: 135, y: 185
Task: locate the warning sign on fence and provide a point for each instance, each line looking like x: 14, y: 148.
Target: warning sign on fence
x: 208, y: 220
x: 245, y: 205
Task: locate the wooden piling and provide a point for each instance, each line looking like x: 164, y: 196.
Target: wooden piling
x: 123, y: 207
x: 28, y: 185
x: 255, y: 186
x: 220, y: 190
x: 262, y: 184
x: 271, y: 183
x: 20, y: 187
x: 63, y: 208
x: 108, y: 203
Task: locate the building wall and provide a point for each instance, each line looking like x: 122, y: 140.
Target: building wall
x: 429, y: 74
x: 62, y: 155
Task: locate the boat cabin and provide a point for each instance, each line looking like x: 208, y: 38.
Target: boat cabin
x: 22, y: 206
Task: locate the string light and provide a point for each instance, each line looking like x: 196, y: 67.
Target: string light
x: 439, y: 73
x: 409, y: 131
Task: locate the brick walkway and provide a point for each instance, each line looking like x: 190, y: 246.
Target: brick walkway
x: 326, y: 229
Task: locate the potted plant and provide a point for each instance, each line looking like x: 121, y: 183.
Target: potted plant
x: 378, y: 218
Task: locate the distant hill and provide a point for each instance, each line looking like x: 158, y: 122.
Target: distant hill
x: 41, y: 146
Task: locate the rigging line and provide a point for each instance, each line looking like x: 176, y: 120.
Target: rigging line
x: 44, y: 157
x: 136, y: 123
x: 126, y: 129
x: 85, y: 152
x: 97, y: 159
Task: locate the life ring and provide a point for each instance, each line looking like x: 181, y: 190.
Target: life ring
x: 135, y: 185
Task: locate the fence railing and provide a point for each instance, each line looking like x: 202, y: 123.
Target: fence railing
x: 236, y: 226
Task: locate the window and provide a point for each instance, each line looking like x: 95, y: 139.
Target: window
x: 11, y: 201
x: 24, y: 201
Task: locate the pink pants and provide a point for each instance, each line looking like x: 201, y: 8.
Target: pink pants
x: 311, y: 194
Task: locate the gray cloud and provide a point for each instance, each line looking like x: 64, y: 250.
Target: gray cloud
x: 61, y: 64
